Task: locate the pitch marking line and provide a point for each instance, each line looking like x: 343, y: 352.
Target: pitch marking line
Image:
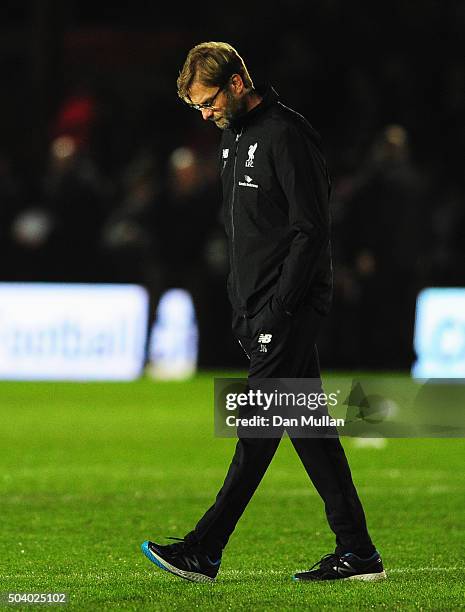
x: 399, y: 570
x: 414, y: 570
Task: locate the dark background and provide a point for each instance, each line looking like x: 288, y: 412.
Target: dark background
x: 106, y: 177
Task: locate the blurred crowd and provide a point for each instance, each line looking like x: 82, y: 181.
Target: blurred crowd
x: 128, y: 189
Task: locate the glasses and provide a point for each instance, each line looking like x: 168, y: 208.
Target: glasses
x: 210, y: 103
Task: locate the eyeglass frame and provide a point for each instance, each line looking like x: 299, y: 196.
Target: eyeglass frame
x: 207, y: 105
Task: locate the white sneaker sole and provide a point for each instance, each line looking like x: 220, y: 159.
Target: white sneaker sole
x: 363, y: 577
x: 368, y: 577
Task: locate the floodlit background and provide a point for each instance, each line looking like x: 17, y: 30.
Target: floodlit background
x: 106, y: 177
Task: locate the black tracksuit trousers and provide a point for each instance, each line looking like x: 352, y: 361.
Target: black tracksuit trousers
x: 293, y: 355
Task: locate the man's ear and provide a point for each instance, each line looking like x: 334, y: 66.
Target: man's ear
x: 237, y: 84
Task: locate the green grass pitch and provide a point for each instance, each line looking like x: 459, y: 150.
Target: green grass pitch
x: 89, y: 471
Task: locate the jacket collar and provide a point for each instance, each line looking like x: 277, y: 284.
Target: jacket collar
x: 269, y: 97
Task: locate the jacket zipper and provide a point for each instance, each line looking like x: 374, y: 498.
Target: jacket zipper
x: 232, y: 217
x: 242, y: 346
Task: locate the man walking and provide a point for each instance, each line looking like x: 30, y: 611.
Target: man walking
x: 275, y: 191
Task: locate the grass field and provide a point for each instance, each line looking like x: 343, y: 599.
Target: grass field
x: 89, y: 471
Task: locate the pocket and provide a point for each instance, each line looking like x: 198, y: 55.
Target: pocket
x: 273, y: 315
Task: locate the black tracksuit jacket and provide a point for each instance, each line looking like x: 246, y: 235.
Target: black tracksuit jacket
x: 276, y: 209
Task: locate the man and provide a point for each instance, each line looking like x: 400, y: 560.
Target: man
x: 276, y: 191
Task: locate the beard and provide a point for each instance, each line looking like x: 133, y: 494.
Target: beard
x: 234, y: 108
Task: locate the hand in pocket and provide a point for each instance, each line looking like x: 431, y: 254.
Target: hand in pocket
x: 274, y: 316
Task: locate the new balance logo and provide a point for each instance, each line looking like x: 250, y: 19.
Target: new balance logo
x: 263, y: 340
x: 343, y: 571
x: 192, y: 562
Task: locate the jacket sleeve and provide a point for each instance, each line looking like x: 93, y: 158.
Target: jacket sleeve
x: 302, y: 175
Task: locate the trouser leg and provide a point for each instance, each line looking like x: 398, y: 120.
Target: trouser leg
x: 326, y: 464
x: 324, y: 459
x: 250, y: 461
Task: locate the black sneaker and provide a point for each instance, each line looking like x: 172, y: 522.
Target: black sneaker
x: 183, y: 559
x: 345, y: 567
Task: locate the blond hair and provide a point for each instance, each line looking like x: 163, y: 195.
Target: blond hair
x: 211, y: 63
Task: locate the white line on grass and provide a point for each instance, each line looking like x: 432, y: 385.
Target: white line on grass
x: 414, y: 570
x: 398, y: 570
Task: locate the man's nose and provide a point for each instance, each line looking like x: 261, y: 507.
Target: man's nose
x: 206, y: 113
